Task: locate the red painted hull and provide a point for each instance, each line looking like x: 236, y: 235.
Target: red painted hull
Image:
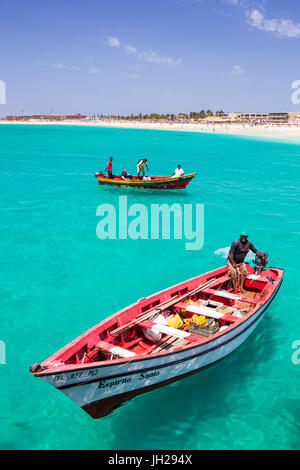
x: 104, y: 407
x: 100, y: 383
x: 156, y: 182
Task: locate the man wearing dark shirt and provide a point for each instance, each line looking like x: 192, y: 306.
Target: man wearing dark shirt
x: 237, y: 270
x: 124, y: 175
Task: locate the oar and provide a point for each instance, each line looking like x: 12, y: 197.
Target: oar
x: 159, y: 308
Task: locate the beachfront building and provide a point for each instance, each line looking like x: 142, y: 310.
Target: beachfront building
x: 258, y: 118
x: 261, y: 118
x: 294, y: 118
x: 278, y: 118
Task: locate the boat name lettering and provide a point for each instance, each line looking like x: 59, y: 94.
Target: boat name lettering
x: 104, y: 383
x: 60, y: 378
x: 144, y: 375
x: 85, y: 373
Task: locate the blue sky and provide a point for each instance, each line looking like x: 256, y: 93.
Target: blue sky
x: 131, y: 56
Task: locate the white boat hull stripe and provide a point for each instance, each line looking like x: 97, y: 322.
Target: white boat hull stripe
x: 212, y: 353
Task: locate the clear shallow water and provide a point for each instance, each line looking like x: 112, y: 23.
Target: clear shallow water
x: 58, y: 279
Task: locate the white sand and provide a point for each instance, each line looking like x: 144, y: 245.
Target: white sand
x: 281, y: 132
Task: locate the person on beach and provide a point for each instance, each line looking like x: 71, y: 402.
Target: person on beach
x: 237, y: 270
x: 108, y: 168
x: 140, y: 167
x: 178, y: 172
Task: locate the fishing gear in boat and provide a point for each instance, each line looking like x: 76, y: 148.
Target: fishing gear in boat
x: 115, y: 360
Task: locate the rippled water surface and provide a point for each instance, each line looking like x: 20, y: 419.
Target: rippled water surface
x: 58, y: 279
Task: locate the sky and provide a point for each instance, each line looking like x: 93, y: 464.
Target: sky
x: 144, y: 56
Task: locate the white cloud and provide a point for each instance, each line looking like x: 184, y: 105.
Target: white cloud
x: 283, y: 27
x: 154, y: 58
x: 246, y: 4
x: 254, y: 11
x: 237, y: 71
x: 60, y: 66
x: 113, y: 41
x: 151, y: 57
x: 133, y: 76
x: 94, y: 70
x: 130, y: 49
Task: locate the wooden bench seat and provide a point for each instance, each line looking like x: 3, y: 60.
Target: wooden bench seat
x: 103, y: 346
x: 208, y: 312
x: 229, y: 295
x: 171, y: 331
x: 211, y: 313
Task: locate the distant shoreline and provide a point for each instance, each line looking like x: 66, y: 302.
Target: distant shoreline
x: 286, y: 132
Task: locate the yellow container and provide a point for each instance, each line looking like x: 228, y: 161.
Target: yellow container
x: 202, y: 319
x: 175, y: 322
x: 187, y: 302
x: 199, y: 319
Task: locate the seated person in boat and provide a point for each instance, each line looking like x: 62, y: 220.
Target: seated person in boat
x: 140, y: 167
x: 125, y: 176
x: 108, y: 168
x: 178, y: 172
x: 237, y: 270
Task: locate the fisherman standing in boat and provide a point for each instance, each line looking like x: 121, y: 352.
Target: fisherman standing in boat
x: 109, y: 168
x: 140, y: 167
x: 237, y: 270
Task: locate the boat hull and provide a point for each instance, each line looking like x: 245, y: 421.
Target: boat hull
x: 157, y: 182
x: 99, y: 390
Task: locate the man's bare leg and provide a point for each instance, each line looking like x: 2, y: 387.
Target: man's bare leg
x: 233, y: 275
x: 243, y: 279
x: 235, y: 283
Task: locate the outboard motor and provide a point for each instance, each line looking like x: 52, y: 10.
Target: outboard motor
x: 260, y: 263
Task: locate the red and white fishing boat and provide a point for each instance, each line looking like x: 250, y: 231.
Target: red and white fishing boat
x: 159, y: 339
x: 154, y: 182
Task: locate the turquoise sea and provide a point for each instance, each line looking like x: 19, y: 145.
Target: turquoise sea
x: 58, y: 279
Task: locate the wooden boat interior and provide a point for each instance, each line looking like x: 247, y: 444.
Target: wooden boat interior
x: 209, y: 298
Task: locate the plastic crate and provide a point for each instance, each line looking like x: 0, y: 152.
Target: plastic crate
x: 204, y: 330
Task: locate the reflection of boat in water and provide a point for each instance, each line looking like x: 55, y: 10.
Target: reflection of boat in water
x: 154, y: 182
x: 159, y: 339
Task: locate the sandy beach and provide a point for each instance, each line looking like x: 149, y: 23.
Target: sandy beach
x: 282, y: 132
